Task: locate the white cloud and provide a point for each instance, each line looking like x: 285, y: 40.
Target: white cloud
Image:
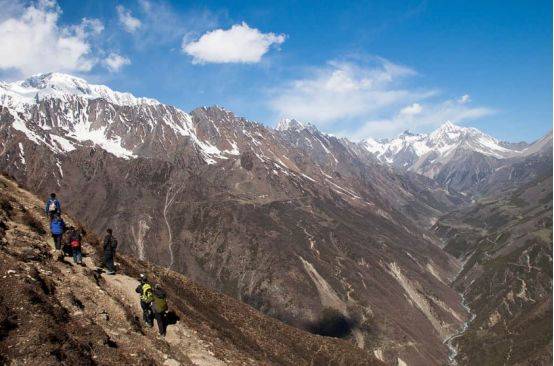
x: 114, y: 62
x: 464, y: 99
x: 239, y: 44
x: 343, y: 91
x: 32, y: 41
x: 129, y: 22
x: 429, y: 116
x: 411, y: 110
x: 88, y: 27
x: 368, y: 100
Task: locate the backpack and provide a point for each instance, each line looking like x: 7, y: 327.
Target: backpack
x: 159, y: 303
x: 52, y: 206
x: 57, y: 226
x: 146, y: 295
x: 75, y: 240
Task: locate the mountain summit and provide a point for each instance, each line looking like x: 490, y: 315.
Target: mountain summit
x: 443, y: 141
x: 450, y: 148
x: 62, y: 86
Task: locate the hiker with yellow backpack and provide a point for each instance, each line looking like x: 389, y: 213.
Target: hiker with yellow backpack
x: 146, y: 298
x: 153, y: 303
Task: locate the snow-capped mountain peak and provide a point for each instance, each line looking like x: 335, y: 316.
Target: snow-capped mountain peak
x: 289, y: 124
x: 61, y: 86
x: 410, y: 150
x: 449, y: 127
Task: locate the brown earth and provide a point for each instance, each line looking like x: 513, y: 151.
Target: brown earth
x: 506, y: 244
x: 55, y: 312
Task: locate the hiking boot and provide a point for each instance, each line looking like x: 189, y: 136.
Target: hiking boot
x: 111, y: 273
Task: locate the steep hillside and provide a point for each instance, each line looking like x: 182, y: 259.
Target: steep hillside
x: 291, y: 221
x: 506, y: 245
x: 54, y: 312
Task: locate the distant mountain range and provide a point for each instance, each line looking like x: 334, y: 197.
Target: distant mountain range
x: 463, y: 158
x: 290, y: 220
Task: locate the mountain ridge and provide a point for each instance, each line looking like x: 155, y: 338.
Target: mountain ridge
x: 81, y: 316
x: 289, y: 220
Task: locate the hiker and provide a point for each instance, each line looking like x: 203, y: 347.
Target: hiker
x: 159, y: 308
x: 110, y: 245
x: 146, y: 297
x: 66, y: 242
x: 57, y: 228
x: 75, y: 240
x: 53, y: 206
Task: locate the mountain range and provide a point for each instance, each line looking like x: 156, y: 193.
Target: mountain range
x: 292, y: 221
x: 463, y: 158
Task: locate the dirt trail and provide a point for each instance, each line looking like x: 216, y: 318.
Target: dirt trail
x: 110, y: 302
x: 178, y: 336
x: 78, y: 315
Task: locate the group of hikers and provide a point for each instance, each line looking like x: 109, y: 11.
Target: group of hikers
x: 152, y: 299
x: 74, y: 237
x: 58, y: 228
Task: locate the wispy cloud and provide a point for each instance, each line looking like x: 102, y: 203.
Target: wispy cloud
x: 417, y: 116
x: 129, y: 22
x: 114, y: 62
x: 344, y: 90
x: 162, y: 24
x: 370, y: 99
x: 239, y: 44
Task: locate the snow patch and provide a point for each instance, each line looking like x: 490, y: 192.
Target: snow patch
x: 401, y: 362
x: 22, y: 154
x: 83, y: 132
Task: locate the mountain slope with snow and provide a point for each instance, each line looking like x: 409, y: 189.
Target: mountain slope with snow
x: 457, y: 157
x: 291, y: 221
x: 67, y: 112
x: 410, y: 151
x: 55, y: 85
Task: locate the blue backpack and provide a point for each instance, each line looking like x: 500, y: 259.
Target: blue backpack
x: 57, y: 226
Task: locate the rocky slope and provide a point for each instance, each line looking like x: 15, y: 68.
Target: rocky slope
x: 506, y: 244
x: 291, y: 221
x: 54, y: 312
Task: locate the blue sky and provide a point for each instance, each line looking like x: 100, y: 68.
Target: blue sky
x: 356, y: 69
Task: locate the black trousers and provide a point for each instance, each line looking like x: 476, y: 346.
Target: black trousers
x: 108, y: 260
x: 160, y: 320
x: 57, y: 241
x: 147, y: 315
